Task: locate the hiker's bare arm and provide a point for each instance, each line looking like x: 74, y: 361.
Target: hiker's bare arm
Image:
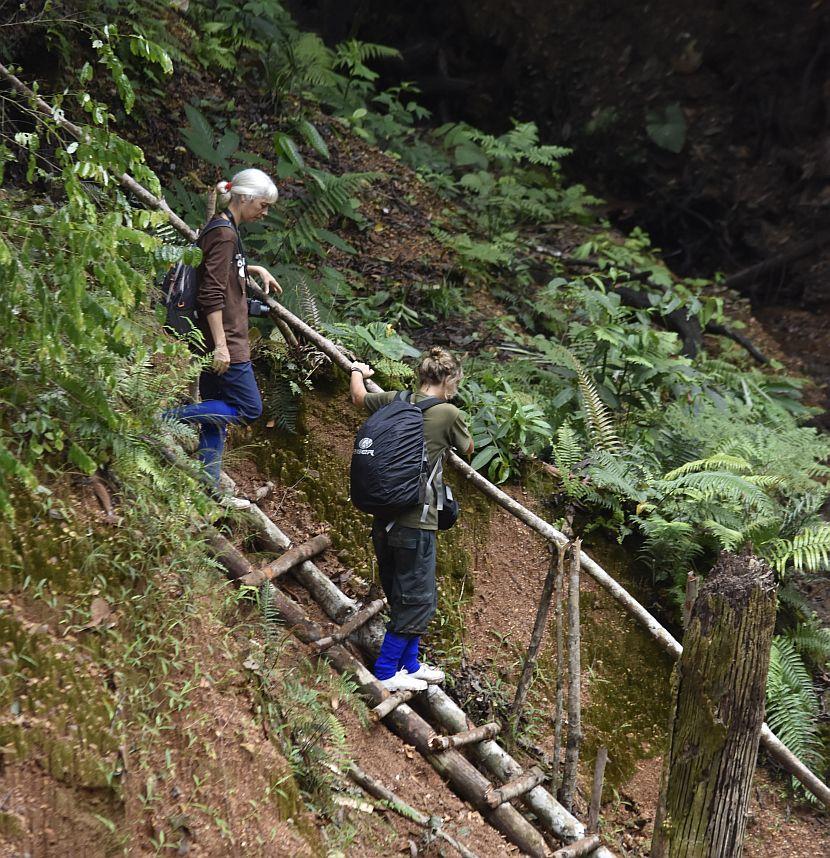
x: 269, y: 282
x: 221, y: 355
x: 357, y: 388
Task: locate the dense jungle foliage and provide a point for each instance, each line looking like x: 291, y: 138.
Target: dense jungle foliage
x: 677, y: 448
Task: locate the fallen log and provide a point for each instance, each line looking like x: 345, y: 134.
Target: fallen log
x: 293, y: 557
x: 376, y: 789
x: 462, y: 776
x: 359, y: 619
x: 465, y: 737
x: 228, y: 555
x: 586, y: 846
x: 515, y: 788
x: 379, y: 712
x: 751, y: 275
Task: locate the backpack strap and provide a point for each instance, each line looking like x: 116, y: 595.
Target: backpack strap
x: 424, y: 404
x: 435, y: 480
x: 221, y: 221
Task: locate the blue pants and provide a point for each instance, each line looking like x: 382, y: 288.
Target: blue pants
x: 231, y: 398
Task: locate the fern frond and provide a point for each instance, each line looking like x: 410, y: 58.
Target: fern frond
x: 808, y: 550
x: 722, y: 462
x: 792, y: 704
x: 311, y: 311
x: 812, y: 641
x: 567, y: 451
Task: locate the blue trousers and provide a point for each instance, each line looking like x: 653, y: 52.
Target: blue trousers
x: 231, y: 398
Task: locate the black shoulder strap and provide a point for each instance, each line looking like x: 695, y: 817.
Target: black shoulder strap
x: 429, y: 402
x: 423, y: 404
x: 215, y: 224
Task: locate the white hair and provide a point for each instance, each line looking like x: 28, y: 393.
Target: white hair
x: 249, y: 184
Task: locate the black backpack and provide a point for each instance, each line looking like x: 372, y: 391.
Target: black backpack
x: 180, y: 288
x: 390, y: 465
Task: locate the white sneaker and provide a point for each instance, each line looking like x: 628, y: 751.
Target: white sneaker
x: 432, y: 675
x: 402, y: 681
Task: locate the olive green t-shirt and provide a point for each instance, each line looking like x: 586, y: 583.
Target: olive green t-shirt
x: 444, y: 427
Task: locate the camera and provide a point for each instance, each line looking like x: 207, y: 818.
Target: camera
x: 257, y: 308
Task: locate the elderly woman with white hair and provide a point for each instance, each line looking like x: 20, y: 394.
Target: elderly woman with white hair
x: 228, y: 388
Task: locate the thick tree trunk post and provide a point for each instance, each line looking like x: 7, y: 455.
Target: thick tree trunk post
x: 574, y: 683
x: 719, y: 712
x: 535, y: 643
x: 596, y: 792
x: 559, y: 702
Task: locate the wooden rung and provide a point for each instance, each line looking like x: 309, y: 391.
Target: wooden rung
x: 390, y: 704
x: 293, y: 557
x: 467, y: 737
x: 513, y: 789
x: 579, y: 847
x: 359, y: 619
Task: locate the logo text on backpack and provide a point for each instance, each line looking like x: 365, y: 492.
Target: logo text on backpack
x: 362, y: 448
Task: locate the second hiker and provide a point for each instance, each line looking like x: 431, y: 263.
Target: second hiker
x: 404, y: 542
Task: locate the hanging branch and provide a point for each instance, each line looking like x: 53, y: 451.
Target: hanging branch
x: 574, y: 682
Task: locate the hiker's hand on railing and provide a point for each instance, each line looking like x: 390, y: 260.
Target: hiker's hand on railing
x: 269, y: 282
x: 221, y: 359
x: 365, y: 370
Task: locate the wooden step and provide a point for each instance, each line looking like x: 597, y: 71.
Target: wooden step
x: 514, y: 788
x: 466, y: 737
x: 359, y: 619
x: 389, y: 704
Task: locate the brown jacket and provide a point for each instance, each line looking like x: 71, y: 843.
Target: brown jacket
x: 222, y: 287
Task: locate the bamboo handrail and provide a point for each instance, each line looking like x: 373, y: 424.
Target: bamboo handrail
x: 774, y: 746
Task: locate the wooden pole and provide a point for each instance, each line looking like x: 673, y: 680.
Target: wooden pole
x: 515, y: 788
x: 535, y: 642
x: 466, y: 737
x: 352, y: 625
x: 586, y: 846
x: 718, y: 714
x: 596, y: 792
x: 376, y: 789
x: 574, y: 683
x: 559, y: 701
x: 233, y: 560
x: 293, y: 557
x: 286, y: 320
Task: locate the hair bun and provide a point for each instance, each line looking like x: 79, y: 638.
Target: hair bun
x: 223, y: 187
